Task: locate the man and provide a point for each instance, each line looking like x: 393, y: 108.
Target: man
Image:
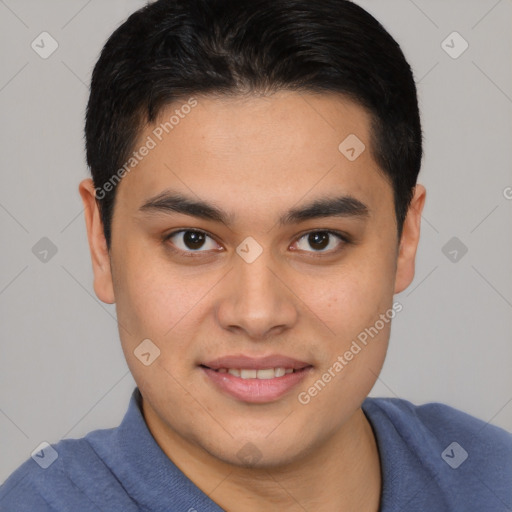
x: 252, y: 211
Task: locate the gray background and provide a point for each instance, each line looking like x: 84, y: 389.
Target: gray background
x: 62, y: 371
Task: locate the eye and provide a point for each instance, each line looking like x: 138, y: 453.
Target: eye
x: 321, y: 241
x: 189, y: 240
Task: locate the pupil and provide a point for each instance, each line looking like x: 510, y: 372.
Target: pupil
x: 193, y: 239
x: 319, y: 240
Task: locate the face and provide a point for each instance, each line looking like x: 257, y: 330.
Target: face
x: 253, y: 251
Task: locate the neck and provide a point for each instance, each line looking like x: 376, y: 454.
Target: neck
x: 343, y: 473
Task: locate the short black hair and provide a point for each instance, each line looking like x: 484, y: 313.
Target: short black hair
x: 171, y: 49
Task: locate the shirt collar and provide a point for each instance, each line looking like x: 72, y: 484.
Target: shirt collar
x: 148, y: 475
x: 151, y: 478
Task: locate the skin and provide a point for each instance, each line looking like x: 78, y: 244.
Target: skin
x: 256, y: 157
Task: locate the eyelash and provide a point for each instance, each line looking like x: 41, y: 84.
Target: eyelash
x: 344, y: 238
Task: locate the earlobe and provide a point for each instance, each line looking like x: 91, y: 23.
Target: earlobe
x: 409, y: 240
x: 100, y: 256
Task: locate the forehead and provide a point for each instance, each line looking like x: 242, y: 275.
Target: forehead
x: 257, y: 152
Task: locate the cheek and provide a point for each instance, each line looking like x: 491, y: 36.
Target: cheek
x: 357, y: 306
x: 166, y: 303
x: 359, y: 313
x: 354, y: 295
x: 359, y: 333
x: 155, y: 298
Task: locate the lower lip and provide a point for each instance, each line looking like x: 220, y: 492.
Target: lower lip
x: 256, y: 390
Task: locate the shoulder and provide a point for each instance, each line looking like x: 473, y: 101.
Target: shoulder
x: 464, y: 459
x: 437, y: 422
x: 61, y: 476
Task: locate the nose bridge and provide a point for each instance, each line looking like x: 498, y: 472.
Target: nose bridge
x: 256, y: 281
x: 256, y: 300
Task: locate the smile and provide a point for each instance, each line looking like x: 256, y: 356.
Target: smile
x: 249, y: 373
x: 255, y: 380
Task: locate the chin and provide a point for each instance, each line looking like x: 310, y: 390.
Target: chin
x: 258, y: 451
x: 249, y: 456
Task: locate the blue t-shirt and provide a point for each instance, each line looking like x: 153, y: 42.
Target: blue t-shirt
x: 433, y: 458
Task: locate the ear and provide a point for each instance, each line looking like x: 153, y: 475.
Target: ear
x: 409, y: 240
x: 103, y: 285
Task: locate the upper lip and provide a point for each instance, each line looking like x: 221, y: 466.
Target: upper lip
x: 255, y: 363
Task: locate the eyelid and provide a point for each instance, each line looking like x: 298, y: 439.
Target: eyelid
x: 190, y: 253
x: 343, y: 237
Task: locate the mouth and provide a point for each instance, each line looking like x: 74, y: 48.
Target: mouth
x: 249, y: 373
x: 255, y: 380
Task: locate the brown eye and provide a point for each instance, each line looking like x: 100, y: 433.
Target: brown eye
x: 193, y: 239
x: 188, y: 240
x: 319, y: 241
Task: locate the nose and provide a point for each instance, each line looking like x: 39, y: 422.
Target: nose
x: 255, y: 301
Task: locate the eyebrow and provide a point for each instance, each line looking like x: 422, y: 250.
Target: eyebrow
x: 174, y: 202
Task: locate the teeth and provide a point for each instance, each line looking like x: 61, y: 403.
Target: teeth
x: 263, y: 374
x: 279, y: 372
x: 269, y: 373
x: 248, y: 374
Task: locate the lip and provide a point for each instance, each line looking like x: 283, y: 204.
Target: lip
x: 255, y: 390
